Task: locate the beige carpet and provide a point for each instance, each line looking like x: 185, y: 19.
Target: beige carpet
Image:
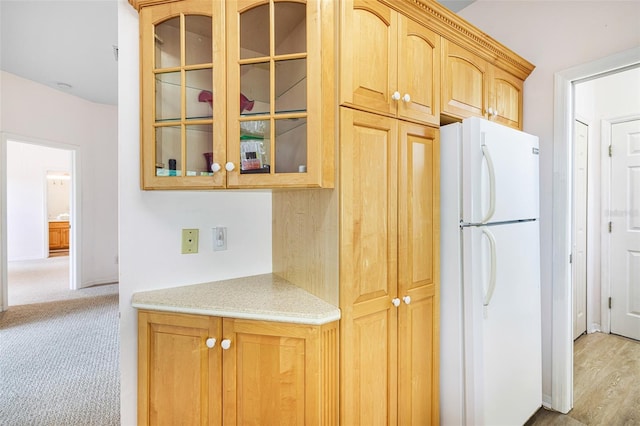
x: 46, y: 280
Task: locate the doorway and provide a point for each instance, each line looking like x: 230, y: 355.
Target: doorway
x: 562, y: 291
x: 26, y: 171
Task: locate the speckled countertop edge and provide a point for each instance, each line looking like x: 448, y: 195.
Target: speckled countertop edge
x: 264, y: 297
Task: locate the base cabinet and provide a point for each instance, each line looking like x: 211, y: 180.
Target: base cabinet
x: 58, y: 235
x: 196, y: 369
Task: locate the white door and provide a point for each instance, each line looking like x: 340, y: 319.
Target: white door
x: 499, y: 173
x: 501, y: 291
x: 579, y: 252
x: 625, y: 229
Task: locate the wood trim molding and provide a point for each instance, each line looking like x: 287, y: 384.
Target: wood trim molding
x: 456, y: 29
x: 139, y: 4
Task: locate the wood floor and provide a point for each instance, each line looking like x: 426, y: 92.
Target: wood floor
x: 606, y: 384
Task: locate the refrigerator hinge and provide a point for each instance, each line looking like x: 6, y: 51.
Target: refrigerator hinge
x: 610, y: 226
x: 609, y: 303
x: 610, y: 151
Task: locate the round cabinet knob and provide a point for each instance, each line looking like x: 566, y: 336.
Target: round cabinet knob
x: 395, y: 96
x: 495, y: 112
x: 211, y: 342
x: 215, y: 167
x: 229, y: 166
x: 226, y: 344
x: 406, y: 98
x: 407, y: 299
x: 396, y: 302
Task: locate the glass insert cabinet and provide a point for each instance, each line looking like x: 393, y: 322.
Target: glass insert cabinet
x: 231, y: 95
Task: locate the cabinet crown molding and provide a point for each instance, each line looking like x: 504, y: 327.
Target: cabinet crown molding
x: 139, y: 4
x: 456, y: 29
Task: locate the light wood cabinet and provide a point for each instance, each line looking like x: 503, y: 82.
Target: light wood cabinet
x: 389, y: 270
x: 235, y: 105
x: 58, y: 235
x: 252, y: 371
x: 471, y: 86
x: 390, y: 64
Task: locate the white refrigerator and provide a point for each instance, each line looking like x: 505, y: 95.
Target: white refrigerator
x: 490, y: 329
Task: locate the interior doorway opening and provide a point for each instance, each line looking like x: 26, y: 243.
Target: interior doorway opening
x: 39, y: 218
x: 562, y: 289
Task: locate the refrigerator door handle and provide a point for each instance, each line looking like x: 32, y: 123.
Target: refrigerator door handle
x: 492, y: 182
x: 492, y: 273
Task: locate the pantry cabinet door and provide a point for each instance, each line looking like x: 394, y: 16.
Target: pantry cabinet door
x: 418, y: 275
x: 369, y: 46
x: 368, y: 271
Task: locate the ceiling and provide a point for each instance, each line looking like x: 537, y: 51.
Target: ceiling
x: 71, y: 45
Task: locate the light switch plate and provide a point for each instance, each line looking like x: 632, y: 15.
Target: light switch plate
x: 219, y: 238
x: 189, y: 241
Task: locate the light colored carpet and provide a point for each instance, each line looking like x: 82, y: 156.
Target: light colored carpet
x: 59, y: 360
x: 45, y: 280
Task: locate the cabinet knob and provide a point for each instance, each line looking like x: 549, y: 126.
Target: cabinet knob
x: 396, y: 302
x: 395, y: 96
x: 226, y: 344
x: 407, y: 299
x: 229, y: 166
x: 406, y: 98
x: 215, y: 167
x: 211, y: 342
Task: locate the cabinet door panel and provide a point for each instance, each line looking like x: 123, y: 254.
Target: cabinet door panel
x: 368, y: 71
x: 418, y: 274
x: 507, y: 98
x: 179, y: 377
x: 265, y: 375
x: 368, y: 273
x: 464, y: 82
x: 418, y: 72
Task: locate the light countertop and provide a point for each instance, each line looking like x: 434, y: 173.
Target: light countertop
x: 264, y: 297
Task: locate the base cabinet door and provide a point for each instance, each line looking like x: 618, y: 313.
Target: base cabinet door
x: 179, y: 377
x: 202, y: 370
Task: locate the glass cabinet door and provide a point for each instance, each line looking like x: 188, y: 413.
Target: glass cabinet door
x: 183, y: 101
x: 268, y: 68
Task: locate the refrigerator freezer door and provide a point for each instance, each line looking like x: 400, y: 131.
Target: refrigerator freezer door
x: 499, y: 173
x: 502, y: 332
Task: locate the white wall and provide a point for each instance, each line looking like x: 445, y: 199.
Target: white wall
x: 554, y: 36
x: 27, y: 166
x: 150, y: 222
x: 606, y: 98
x: 31, y: 111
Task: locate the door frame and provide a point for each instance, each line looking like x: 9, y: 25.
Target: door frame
x: 74, y: 207
x: 605, y: 252
x: 562, y: 293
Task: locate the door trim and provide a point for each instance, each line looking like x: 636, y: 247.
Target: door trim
x: 561, y: 398
x: 74, y: 206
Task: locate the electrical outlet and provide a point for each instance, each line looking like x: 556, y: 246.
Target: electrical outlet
x: 189, y: 241
x: 219, y: 238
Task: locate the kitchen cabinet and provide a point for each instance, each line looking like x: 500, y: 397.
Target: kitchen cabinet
x: 390, y: 63
x: 58, y: 235
x: 198, y: 369
x: 389, y: 270
x: 234, y: 105
x: 471, y: 86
